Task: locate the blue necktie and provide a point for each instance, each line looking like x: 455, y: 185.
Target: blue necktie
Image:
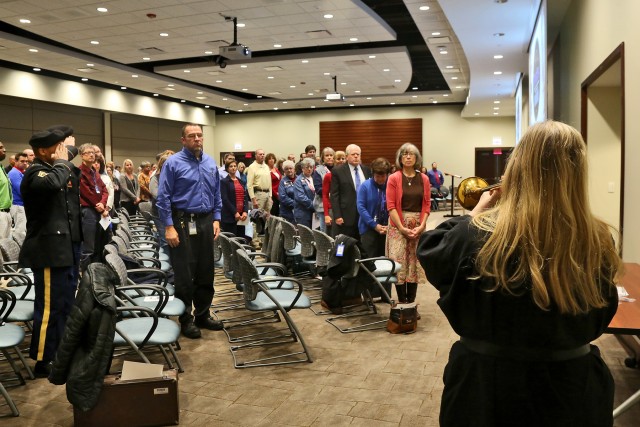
x: 355, y: 170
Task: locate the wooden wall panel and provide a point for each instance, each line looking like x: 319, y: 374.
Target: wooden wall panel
x: 376, y: 138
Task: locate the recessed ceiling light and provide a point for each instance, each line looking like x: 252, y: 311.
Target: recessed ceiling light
x: 414, y: 88
x: 458, y: 87
x: 443, y: 52
x: 245, y: 104
x: 226, y: 112
x: 89, y: 65
x: 284, y: 102
x: 270, y: 77
x: 84, y: 79
x: 277, y: 45
x: 146, y: 58
x: 496, y: 108
x: 259, y: 96
x: 368, y: 97
x: 343, y: 83
x: 424, y: 7
x: 95, y: 42
x: 476, y: 114
x: 292, y: 86
x: 102, y: 9
x: 414, y: 96
x: 353, y: 39
x: 435, y: 102
x: 328, y: 16
x: 244, y: 89
x: 386, y: 70
x: 33, y: 50
x: 397, y: 80
x: 436, y: 33
x: 496, y: 102
x: 275, y: 108
x: 206, y: 106
x: 327, y: 74
x: 199, y: 92
x: 182, y: 100
x: 496, y: 113
x: 155, y: 94
x: 37, y: 69
x: 497, y: 73
x: 243, y: 66
x: 218, y: 81
x: 449, y: 67
x: 445, y: 95
x: 310, y: 94
x: 187, y: 71
x: 164, y: 34
x: 392, y: 103
x: 25, y: 21
x: 357, y: 91
x: 313, y: 106
x: 224, y: 99
x: 498, y: 56
x: 239, y: 111
x: 305, y: 61
x: 123, y: 87
x: 134, y: 76
x: 240, y: 25
x: 454, y: 78
x: 372, y: 57
x: 208, y: 52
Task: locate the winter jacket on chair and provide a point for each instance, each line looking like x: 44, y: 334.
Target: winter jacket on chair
x: 84, y: 354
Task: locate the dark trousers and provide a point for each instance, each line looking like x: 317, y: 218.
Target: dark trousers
x: 90, y: 218
x: 347, y: 230
x: 373, y: 245
x: 54, y: 297
x: 233, y: 227
x: 130, y: 207
x: 193, y: 266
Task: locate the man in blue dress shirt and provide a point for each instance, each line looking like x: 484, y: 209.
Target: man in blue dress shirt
x: 190, y: 206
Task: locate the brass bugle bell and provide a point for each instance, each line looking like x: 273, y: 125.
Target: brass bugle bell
x: 470, y: 190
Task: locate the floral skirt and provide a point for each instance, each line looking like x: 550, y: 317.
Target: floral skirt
x: 403, y: 251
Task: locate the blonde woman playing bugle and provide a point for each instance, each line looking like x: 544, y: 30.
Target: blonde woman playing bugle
x: 527, y: 281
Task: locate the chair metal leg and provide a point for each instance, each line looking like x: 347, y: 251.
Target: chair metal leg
x: 12, y: 406
x: 24, y: 363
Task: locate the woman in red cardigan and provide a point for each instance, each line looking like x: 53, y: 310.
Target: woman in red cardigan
x: 339, y: 158
x: 409, y: 204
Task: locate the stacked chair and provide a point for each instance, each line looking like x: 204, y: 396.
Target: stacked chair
x: 143, y: 312
x: 274, y: 346
x: 11, y: 336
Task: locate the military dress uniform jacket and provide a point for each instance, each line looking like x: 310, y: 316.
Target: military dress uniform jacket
x: 52, y: 207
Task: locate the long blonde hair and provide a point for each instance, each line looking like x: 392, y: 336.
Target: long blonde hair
x: 542, y: 231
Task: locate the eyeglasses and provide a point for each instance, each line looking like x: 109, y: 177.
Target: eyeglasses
x: 88, y: 152
x: 408, y: 154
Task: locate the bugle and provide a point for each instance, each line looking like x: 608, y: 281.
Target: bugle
x: 470, y: 190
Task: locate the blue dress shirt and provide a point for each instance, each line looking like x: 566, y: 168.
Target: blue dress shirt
x: 189, y: 185
x: 15, y: 176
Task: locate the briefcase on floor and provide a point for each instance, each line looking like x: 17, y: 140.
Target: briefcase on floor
x: 143, y: 402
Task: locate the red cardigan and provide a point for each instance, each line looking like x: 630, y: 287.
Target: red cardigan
x: 326, y: 186
x: 394, y: 194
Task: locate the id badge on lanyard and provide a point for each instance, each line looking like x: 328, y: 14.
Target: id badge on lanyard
x: 192, y: 228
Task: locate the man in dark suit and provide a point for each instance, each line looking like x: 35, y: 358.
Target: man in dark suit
x: 345, y: 181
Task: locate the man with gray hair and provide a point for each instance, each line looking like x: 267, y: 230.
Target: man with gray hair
x: 259, y: 183
x: 345, y: 183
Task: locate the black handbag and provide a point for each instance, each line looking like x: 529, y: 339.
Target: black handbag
x: 403, y: 319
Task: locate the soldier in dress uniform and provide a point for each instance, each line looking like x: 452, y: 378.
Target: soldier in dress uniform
x: 52, y: 227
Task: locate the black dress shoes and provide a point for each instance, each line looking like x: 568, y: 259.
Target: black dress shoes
x: 190, y: 330
x: 42, y: 369
x: 209, y: 323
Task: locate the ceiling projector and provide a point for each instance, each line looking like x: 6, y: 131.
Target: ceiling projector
x: 238, y: 51
x: 334, y: 97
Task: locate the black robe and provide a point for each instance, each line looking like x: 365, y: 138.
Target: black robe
x: 482, y: 390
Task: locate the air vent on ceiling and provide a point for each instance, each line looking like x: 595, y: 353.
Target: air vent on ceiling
x: 319, y: 34
x: 151, y: 50
x: 436, y: 40
x: 274, y: 93
x: 273, y: 68
x: 88, y: 70
x: 386, y: 87
x: 356, y: 62
x: 215, y: 73
x: 450, y: 70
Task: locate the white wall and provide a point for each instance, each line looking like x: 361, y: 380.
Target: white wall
x: 591, y: 31
x: 447, y: 138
